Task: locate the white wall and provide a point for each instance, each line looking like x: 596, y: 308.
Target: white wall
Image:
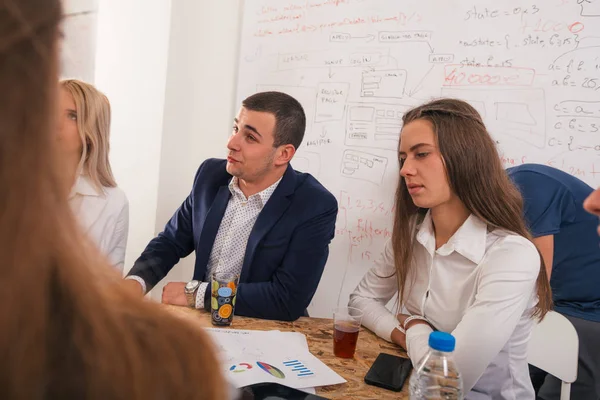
x: 131, y: 68
x: 199, y: 102
x: 171, y: 77
x: 78, y: 51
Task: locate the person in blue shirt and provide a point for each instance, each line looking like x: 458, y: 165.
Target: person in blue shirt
x: 565, y: 235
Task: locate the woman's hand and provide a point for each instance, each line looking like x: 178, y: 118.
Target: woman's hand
x: 402, y: 318
x: 411, y: 323
x: 399, y: 337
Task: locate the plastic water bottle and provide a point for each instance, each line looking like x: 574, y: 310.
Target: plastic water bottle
x: 436, y: 376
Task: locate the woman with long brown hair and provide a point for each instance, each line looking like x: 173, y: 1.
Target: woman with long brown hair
x: 69, y: 330
x: 460, y: 259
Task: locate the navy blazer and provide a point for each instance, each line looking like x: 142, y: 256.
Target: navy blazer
x: 286, y: 251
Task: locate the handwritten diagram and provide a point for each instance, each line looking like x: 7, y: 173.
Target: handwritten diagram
x: 519, y: 113
x: 530, y: 68
x: 375, y: 125
x: 589, y: 8
x: 331, y: 101
x: 363, y: 166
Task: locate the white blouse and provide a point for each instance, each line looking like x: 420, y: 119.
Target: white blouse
x: 481, y: 287
x: 104, y: 216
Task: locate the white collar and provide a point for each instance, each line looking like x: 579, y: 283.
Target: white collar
x: 469, y: 240
x: 264, y: 195
x: 84, y: 187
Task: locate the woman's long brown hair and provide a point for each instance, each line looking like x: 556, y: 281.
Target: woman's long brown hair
x: 476, y: 176
x: 68, y: 328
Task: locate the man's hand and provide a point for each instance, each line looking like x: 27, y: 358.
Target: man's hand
x: 133, y: 287
x: 174, y: 293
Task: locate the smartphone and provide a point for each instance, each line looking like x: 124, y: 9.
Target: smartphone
x: 389, y: 372
x: 275, y: 391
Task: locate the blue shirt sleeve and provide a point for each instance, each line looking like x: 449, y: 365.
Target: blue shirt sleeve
x: 547, y: 202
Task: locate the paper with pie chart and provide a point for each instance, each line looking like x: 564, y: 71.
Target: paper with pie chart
x: 250, y: 357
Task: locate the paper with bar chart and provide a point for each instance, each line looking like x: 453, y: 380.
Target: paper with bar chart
x: 250, y: 357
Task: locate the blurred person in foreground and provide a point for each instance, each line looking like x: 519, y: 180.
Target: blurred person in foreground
x: 69, y: 329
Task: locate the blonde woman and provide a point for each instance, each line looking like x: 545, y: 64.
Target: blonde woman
x: 100, y: 206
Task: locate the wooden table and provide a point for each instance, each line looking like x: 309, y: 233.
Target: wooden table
x: 319, y: 333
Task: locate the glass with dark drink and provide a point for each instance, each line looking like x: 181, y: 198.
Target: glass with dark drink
x: 346, y: 324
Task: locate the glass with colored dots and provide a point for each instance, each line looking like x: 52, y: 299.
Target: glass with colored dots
x: 223, y: 290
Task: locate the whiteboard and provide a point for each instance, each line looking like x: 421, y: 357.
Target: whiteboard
x: 532, y: 69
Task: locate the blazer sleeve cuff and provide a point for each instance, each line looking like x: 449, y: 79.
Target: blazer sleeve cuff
x: 138, y: 280
x: 207, y: 296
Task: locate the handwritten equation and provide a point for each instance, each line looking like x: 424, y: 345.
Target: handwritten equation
x: 530, y: 68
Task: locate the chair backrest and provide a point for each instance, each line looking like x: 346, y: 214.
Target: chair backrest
x: 554, y: 347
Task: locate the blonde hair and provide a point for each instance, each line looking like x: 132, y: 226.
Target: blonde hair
x: 93, y: 124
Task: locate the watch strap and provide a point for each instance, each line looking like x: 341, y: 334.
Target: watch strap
x: 191, y: 297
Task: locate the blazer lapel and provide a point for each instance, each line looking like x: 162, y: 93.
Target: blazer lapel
x: 270, y: 214
x: 210, y: 229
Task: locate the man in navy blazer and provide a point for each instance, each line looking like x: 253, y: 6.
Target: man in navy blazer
x: 253, y: 215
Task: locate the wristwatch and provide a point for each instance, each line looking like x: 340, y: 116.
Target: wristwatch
x: 190, y: 292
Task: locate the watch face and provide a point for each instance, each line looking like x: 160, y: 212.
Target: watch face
x: 191, y: 286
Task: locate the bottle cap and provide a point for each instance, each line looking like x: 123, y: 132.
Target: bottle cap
x: 442, y: 341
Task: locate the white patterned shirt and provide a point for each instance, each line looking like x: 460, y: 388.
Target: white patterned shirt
x: 229, y: 249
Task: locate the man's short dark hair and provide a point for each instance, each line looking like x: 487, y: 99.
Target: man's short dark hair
x: 290, y: 120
